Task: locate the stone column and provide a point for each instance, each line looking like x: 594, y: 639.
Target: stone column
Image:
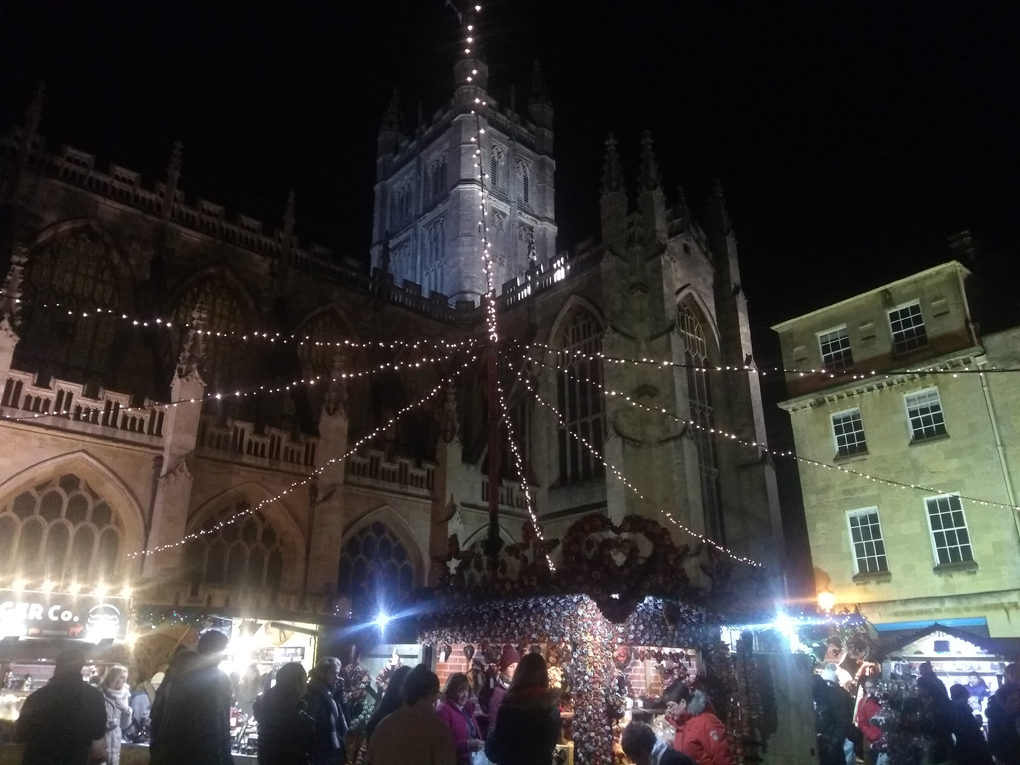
x: 10, y: 309
x: 327, y: 519
x: 180, y: 435
x: 447, y: 490
x: 173, y: 487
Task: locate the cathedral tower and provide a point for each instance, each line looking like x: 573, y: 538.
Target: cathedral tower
x: 426, y: 190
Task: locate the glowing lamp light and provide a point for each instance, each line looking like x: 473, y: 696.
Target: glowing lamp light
x: 126, y: 592
x: 785, y: 627
x: 47, y: 586
x: 382, y: 620
x: 18, y: 585
x: 74, y: 588
x: 826, y: 601
x: 101, y: 590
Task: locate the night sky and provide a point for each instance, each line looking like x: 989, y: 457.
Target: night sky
x: 852, y: 137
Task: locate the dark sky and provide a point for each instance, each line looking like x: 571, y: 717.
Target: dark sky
x: 852, y: 137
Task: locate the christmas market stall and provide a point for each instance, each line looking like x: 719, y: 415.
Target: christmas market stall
x: 618, y: 623
x: 36, y: 626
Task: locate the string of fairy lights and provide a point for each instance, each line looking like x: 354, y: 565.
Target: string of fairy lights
x: 776, y: 452
x: 240, y: 514
x: 851, y: 374
x: 273, y: 337
x: 69, y: 410
x: 597, y: 455
x: 522, y: 475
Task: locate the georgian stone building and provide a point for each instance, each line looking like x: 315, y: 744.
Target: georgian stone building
x: 164, y: 368
x: 901, y: 406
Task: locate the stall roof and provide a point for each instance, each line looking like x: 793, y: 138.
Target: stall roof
x: 1005, y: 648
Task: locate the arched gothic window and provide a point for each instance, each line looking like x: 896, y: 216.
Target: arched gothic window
x: 318, y: 350
x: 245, y: 553
x: 579, y: 398
x: 375, y: 563
x: 76, y: 272
x: 696, y: 357
x: 525, y: 178
x: 497, y: 162
x: 226, y: 356
x: 61, y: 530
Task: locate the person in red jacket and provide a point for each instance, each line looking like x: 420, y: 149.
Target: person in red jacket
x: 699, y: 733
x: 867, y: 708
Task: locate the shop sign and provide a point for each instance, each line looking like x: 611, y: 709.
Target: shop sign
x: 62, y: 615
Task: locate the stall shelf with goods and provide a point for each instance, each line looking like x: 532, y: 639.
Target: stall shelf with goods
x: 618, y: 622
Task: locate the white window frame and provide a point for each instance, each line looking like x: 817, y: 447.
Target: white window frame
x: 910, y: 427
x: 881, y: 538
x: 821, y: 351
x: 835, y: 438
x: 931, y: 531
x: 892, y: 332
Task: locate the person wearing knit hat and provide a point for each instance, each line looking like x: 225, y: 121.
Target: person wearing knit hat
x: 508, y: 661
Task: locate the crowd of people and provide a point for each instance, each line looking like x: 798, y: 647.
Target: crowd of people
x: 951, y: 725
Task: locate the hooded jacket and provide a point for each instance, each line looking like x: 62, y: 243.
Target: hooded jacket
x: 286, y: 731
x: 191, y: 713
x: 330, y: 723
x: 701, y: 735
x: 527, y: 730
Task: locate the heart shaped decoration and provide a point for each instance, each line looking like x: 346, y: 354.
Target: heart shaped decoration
x: 618, y: 565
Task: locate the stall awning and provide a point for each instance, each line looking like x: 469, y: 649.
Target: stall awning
x: 908, y: 644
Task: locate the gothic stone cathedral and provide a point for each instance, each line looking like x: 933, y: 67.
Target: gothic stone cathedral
x: 97, y: 262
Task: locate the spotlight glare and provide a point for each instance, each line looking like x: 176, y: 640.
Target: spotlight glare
x: 382, y: 620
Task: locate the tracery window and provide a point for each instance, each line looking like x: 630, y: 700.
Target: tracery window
x: 524, y: 175
x: 497, y: 161
x: 226, y: 355
x: 245, y: 553
x: 375, y: 562
x: 579, y: 399
x: 76, y: 272
x: 318, y: 348
x: 696, y: 357
x: 60, y: 530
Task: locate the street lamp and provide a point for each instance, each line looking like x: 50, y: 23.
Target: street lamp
x: 826, y: 601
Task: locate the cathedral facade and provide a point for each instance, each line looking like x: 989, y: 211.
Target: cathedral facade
x: 220, y: 415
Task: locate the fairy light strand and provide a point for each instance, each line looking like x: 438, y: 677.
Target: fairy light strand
x: 595, y: 453
x: 318, y: 471
x: 299, y: 337
x: 786, y: 454
x: 519, y: 463
x: 220, y: 395
x: 751, y: 368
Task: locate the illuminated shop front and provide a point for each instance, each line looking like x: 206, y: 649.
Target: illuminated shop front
x: 36, y: 626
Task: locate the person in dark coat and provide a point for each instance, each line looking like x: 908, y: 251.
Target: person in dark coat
x: 392, y: 700
x: 1003, y: 714
x: 286, y: 730
x: 971, y: 747
x: 59, y: 722
x: 190, y: 716
x: 834, y: 712
x: 323, y: 702
x: 528, y: 726
x: 643, y: 747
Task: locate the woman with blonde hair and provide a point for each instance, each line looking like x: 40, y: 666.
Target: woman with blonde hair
x: 118, y: 713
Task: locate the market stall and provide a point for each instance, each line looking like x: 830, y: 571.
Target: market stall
x: 957, y: 656
x: 36, y: 626
x: 617, y: 623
